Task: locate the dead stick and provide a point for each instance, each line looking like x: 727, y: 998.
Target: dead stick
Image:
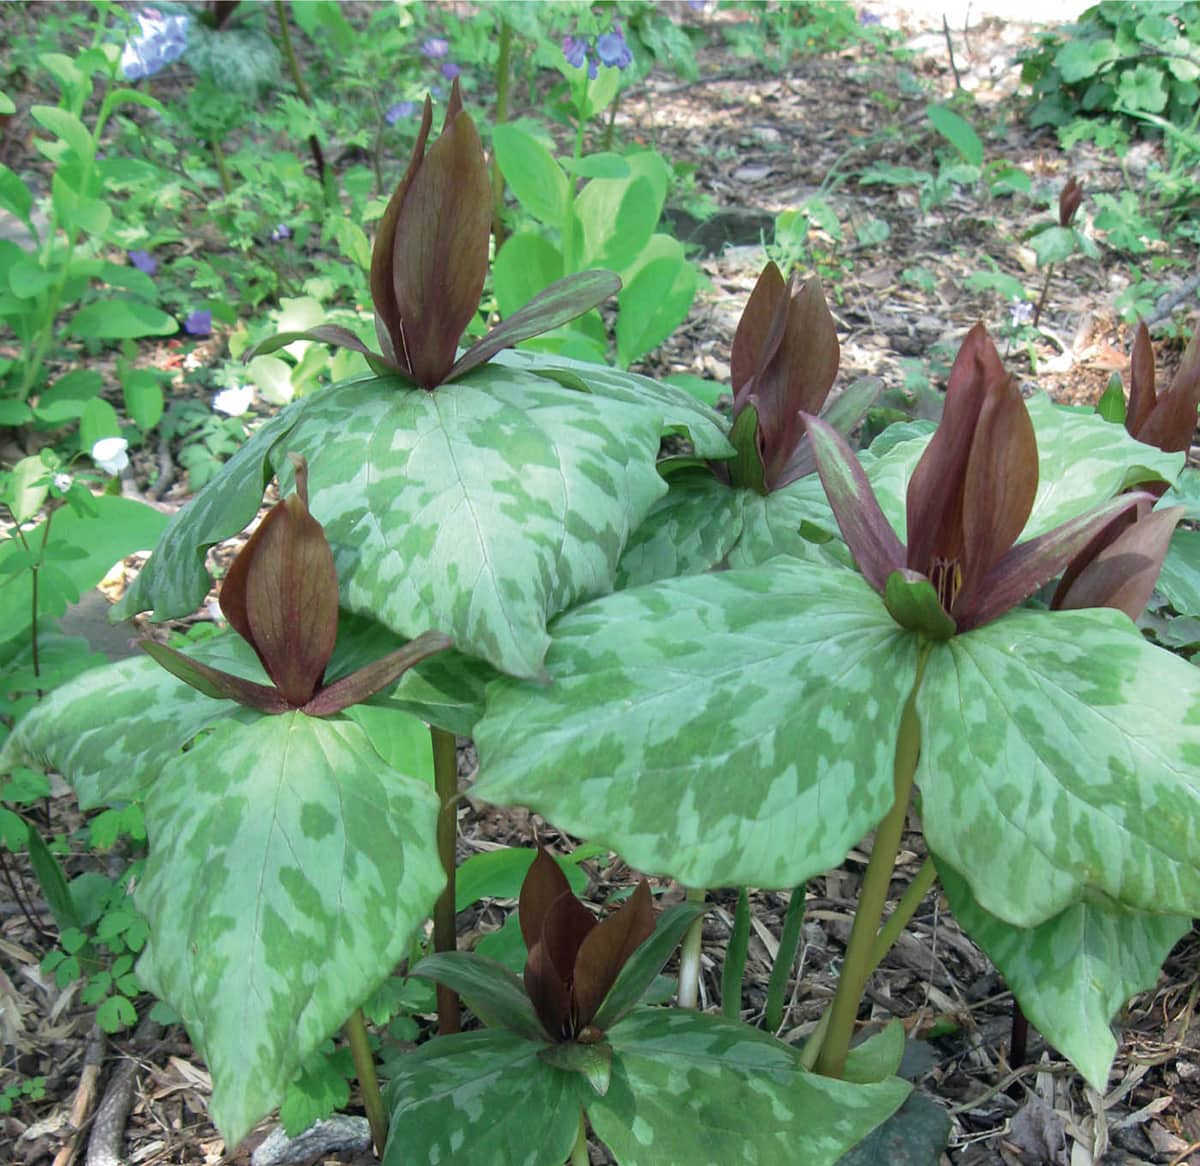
x: 85, y: 1094
x: 108, y: 1130
x: 950, y: 50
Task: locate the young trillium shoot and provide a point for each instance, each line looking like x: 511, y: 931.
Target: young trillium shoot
x: 968, y: 500
x: 429, y: 262
x: 281, y: 597
x: 1069, y: 199
x: 784, y: 361
x: 573, y: 960
x: 1166, y: 420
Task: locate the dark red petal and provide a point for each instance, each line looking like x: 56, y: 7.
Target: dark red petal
x: 1123, y: 574
x: 1141, y: 382
x: 567, y: 925
x: 935, y: 491
x: 1001, y: 482
x: 441, y: 250
x: 281, y: 596
x: 215, y: 683
x: 544, y: 883
x: 1030, y: 565
x: 548, y: 993
x: 372, y: 678
x: 606, y: 949
x: 763, y: 314
x: 872, y: 541
x: 1172, y: 422
x: 388, y: 324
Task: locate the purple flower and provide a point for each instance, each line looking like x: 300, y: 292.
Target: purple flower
x: 450, y: 70
x: 198, y: 323
x: 159, y: 41
x: 865, y: 17
x: 282, y: 231
x: 399, y: 112
x: 435, y: 47
x: 143, y: 261
x: 613, y: 51
x: 575, y: 50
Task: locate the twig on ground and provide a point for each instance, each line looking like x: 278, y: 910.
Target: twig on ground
x: 950, y: 49
x: 1168, y: 302
x: 85, y: 1094
x: 166, y: 470
x: 108, y: 1129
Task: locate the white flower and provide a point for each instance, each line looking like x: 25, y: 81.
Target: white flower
x: 109, y: 454
x: 62, y: 482
x: 1022, y: 312
x: 233, y: 402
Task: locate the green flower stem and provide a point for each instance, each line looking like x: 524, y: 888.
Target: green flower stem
x: 905, y: 910
x: 857, y: 965
x: 579, y: 1152
x: 289, y: 52
x: 222, y: 169
x: 503, y: 78
x: 445, y: 783
x: 1037, y: 311
x: 689, y: 955
x: 785, y: 960
x: 364, y: 1065
x: 734, y: 968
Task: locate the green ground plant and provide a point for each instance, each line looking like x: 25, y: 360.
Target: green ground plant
x: 856, y: 654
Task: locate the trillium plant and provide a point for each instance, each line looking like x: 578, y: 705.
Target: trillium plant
x: 729, y: 658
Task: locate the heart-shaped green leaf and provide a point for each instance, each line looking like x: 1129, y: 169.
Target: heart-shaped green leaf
x: 726, y: 729
x: 480, y: 1097
x: 1061, y: 759
x: 691, y: 1087
x: 288, y: 868
x: 1072, y: 973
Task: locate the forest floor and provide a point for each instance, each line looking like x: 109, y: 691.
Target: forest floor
x: 763, y: 142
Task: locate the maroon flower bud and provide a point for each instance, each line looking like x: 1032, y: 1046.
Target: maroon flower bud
x: 1069, y: 199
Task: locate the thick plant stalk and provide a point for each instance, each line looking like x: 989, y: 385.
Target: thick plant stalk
x: 734, y: 968
x: 857, y: 965
x: 364, y: 1066
x: 445, y: 781
x: 502, y: 82
x: 905, y: 910
x: 785, y: 960
x: 579, y: 1152
x: 689, y: 955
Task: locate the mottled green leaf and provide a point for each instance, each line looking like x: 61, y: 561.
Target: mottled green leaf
x: 915, y: 1135
x: 489, y: 989
x: 479, y: 510
x: 482, y: 1097
x: 112, y: 730
x: 691, y: 1087
x: 688, y: 531
x: 288, y: 868
x: 1179, y: 579
x: 1061, y: 759
x: 1072, y: 973
x: 726, y: 729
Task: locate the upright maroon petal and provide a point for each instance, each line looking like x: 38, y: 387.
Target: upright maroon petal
x: 1122, y: 575
x: 281, y: 596
x: 935, y: 491
x: 543, y: 885
x: 549, y: 993
x: 872, y: 541
x: 764, y: 317
x: 441, y: 249
x: 1141, y: 381
x: 1172, y: 421
x: 1001, y: 481
x: 605, y: 950
x: 388, y: 324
